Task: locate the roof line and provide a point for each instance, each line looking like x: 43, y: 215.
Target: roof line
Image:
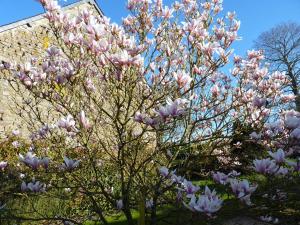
x: 96, y: 5
x: 31, y: 19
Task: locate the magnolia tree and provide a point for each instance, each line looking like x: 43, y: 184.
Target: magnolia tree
x: 120, y: 102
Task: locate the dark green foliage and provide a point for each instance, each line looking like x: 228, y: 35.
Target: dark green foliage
x: 243, y: 150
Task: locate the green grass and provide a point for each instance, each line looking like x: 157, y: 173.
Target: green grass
x: 120, y: 219
x: 288, y: 212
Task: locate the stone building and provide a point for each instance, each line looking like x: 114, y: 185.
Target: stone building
x: 19, y: 41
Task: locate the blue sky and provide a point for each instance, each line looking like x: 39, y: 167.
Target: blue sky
x: 256, y: 15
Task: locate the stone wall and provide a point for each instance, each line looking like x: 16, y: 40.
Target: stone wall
x: 19, y: 42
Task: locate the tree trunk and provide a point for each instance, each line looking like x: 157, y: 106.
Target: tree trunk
x: 294, y: 86
x: 128, y: 216
x: 142, y: 217
x: 153, y: 219
x: 297, y: 102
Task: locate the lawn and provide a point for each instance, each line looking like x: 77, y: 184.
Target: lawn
x: 288, y: 212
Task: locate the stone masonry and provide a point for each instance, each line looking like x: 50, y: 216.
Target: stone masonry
x: 20, y: 41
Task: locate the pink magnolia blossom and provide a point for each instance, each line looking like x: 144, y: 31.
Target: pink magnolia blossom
x: 124, y: 59
x: 167, y: 12
x: 90, y: 85
x: 234, y: 173
x: 255, y: 135
x: 34, y: 186
x: 50, y: 5
x: 164, y: 171
x: 265, y: 166
x: 179, y: 196
x: 242, y: 190
x: 84, y: 121
x: 209, y: 203
x: 120, y: 204
x: 153, y: 122
x: 282, y: 171
x: 16, y: 144
x: 139, y: 117
x: 67, y: 123
x: 176, y: 179
x: 287, y: 98
x: 45, y: 162
x: 189, y: 188
x: 3, y: 165
x: 53, y: 51
x: 172, y: 109
x: 291, y: 120
x: 43, y: 131
x: 278, y: 156
x: 215, y: 90
x: 16, y: 132
x: 176, y: 108
x: 295, y: 133
x: 69, y: 164
x: 30, y: 160
x: 220, y: 178
x: 193, y: 51
x: 259, y: 102
x: 182, y: 79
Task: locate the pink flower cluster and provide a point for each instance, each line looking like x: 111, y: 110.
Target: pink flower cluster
x: 32, y: 161
x: 208, y: 203
x: 67, y: 123
x: 69, y: 164
x: 283, y: 133
x: 113, y: 73
x: 34, y: 186
x: 171, y: 110
x: 3, y: 165
x: 276, y: 165
x: 260, y: 90
x: 241, y: 188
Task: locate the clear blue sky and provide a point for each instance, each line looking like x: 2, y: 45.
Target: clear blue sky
x: 256, y: 15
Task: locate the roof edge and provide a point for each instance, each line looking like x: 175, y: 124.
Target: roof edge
x: 31, y: 19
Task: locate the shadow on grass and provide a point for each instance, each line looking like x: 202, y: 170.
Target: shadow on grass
x: 288, y: 211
